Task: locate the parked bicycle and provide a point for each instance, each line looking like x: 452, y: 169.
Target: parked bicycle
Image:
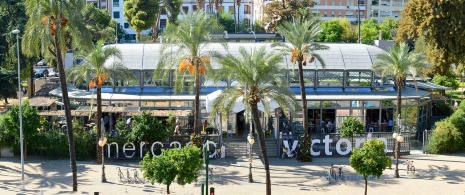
x: 121, y: 176
x: 136, y: 177
x: 410, y: 167
x: 340, y: 173
x: 128, y: 178
x: 331, y: 174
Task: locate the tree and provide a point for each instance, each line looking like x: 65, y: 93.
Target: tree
x: 278, y: 12
x: 94, y: 72
x: 399, y: 63
x: 141, y: 14
x: 441, y: 24
x: 261, y: 80
x: 369, y: 160
x: 350, y: 34
x: 351, y: 126
x: 182, y: 164
x: 98, y: 23
x: 301, y: 34
x: 173, y: 7
x: 53, y: 26
x: 388, y: 28
x: 148, y: 128
x: 369, y: 30
x: 188, y: 38
x: 31, y: 122
x: 226, y: 20
x: 8, y: 88
x: 332, y: 31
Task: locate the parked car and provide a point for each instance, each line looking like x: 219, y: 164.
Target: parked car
x: 53, y: 73
x: 42, y: 63
x: 41, y: 73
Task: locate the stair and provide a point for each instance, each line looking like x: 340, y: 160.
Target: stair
x: 237, y: 147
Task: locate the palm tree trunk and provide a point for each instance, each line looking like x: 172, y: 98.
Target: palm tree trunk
x: 99, y: 124
x: 399, y: 112
x: 155, y: 28
x: 261, y: 141
x: 303, y: 96
x: 69, y: 124
x: 196, y: 101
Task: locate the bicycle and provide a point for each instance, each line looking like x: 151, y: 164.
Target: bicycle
x: 128, y: 178
x: 331, y: 174
x: 136, y: 177
x: 218, y: 154
x: 121, y: 176
x: 410, y: 167
x: 341, y: 173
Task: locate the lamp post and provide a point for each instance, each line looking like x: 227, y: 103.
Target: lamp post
x: 101, y: 143
x: 16, y: 32
x: 358, y: 8
x: 251, y: 141
x: 398, y: 138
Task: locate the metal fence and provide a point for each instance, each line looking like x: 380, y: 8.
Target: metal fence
x: 426, y: 138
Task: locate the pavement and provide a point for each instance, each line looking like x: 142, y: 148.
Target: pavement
x: 434, y: 174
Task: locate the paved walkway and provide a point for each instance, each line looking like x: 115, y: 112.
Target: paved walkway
x: 435, y: 174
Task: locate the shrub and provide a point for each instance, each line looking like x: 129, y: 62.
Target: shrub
x: 446, y: 138
x: 350, y: 126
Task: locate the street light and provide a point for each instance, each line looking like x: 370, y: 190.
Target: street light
x: 16, y: 32
x: 251, y: 141
x: 398, y: 138
x: 358, y: 7
x: 101, y: 143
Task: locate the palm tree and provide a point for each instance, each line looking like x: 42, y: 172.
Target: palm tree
x: 94, y: 72
x: 53, y: 26
x: 399, y: 63
x: 301, y: 34
x: 182, y: 50
x: 260, y: 79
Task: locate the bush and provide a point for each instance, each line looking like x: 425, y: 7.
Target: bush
x: 446, y: 138
x: 350, y: 126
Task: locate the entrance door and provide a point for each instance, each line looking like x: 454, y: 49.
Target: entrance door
x: 240, y: 123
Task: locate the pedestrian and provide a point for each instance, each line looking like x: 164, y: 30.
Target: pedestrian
x: 177, y: 129
x: 389, y: 125
x: 129, y: 122
x: 456, y: 105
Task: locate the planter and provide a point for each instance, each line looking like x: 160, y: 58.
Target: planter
x: 7, y: 152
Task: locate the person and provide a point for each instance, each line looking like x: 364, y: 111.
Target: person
x: 456, y: 105
x: 129, y: 122
x: 177, y: 129
x: 106, y: 122
x: 330, y: 126
x: 205, y: 123
x: 113, y: 133
x: 389, y: 125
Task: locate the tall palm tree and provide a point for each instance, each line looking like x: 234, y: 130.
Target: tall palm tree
x: 94, y: 72
x: 301, y: 34
x: 399, y: 64
x: 261, y: 79
x: 183, y: 51
x: 54, y: 26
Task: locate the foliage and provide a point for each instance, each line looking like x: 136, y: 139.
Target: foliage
x: 449, y: 134
x: 8, y: 88
x: 147, y: 128
x: 441, y: 22
x: 304, y: 150
x: 183, y: 164
x: 189, y: 60
x: 369, y: 30
x: 350, y: 34
x: 369, y: 160
x: 173, y: 7
x: 98, y: 23
x: 385, y: 103
x: 140, y: 14
x: 388, y: 28
x: 31, y: 122
x: 196, y: 140
x: 350, y: 126
x: 226, y: 20
x: 332, y: 31
x: 277, y: 12
x: 447, y: 81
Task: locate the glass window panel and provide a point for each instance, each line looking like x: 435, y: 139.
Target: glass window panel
x: 313, y: 103
x: 371, y: 103
x: 330, y: 78
x: 309, y: 77
x: 357, y: 103
x: 345, y: 104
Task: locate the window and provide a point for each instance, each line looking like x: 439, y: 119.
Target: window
x: 194, y: 7
x: 163, y: 11
x: 185, y: 9
x: 220, y: 9
x: 325, y: 14
x: 115, y: 14
x: 231, y: 9
x: 332, y: 14
x: 246, y: 9
x: 116, y: 3
x: 162, y: 23
x: 126, y: 25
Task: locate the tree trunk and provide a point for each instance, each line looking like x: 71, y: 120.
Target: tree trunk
x: 366, y: 185
x: 99, y: 124
x: 261, y: 141
x: 69, y: 124
x: 168, y: 189
x: 31, y: 84
x: 303, y: 95
x: 197, y: 101
x: 235, y: 20
x: 155, y: 28
x: 137, y: 37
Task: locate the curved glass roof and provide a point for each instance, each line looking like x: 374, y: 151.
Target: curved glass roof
x: 340, y: 56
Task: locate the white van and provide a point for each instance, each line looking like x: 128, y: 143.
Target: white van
x: 41, y: 63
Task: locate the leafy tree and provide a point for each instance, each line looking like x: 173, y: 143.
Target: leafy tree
x: 189, y: 37
x: 182, y: 164
x: 369, y: 30
x: 31, y: 122
x: 399, y: 64
x: 173, y: 7
x: 226, y: 21
x: 94, y: 72
x: 350, y: 34
x: 369, y: 160
x: 140, y: 14
x: 8, y: 88
x: 301, y: 34
x: 54, y: 26
x: 448, y: 81
x: 260, y: 79
x: 388, y: 28
x: 277, y: 12
x: 351, y: 126
x: 441, y: 22
x: 147, y: 128
x: 98, y: 23
x: 332, y: 31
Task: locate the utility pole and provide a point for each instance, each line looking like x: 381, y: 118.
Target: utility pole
x: 359, y: 38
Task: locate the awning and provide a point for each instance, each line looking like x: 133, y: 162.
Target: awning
x: 427, y: 86
x: 238, y: 107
